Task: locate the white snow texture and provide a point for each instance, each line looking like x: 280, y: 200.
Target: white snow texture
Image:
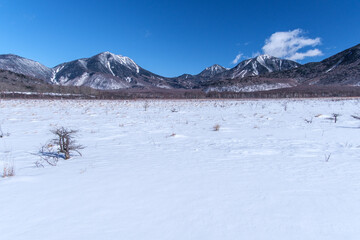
x: 165, y: 174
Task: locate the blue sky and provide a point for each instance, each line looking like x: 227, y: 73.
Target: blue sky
x: 175, y: 37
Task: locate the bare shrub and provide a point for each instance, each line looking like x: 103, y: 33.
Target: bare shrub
x: 327, y: 157
x: 285, y: 105
x: 308, y: 120
x: 65, y: 141
x: 63, y: 146
x: 2, y: 134
x: 39, y: 163
x: 146, y: 105
x: 48, y: 154
x: 216, y: 127
x: 335, y: 116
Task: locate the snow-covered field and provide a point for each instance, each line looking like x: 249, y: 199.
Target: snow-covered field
x: 165, y: 173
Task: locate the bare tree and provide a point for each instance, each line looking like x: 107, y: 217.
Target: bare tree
x: 65, y: 141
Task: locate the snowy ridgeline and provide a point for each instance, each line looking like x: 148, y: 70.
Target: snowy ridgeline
x: 273, y: 170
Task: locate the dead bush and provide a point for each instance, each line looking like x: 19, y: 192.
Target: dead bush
x: 8, y: 169
x: 2, y: 134
x: 62, y: 146
x: 66, y: 142
x: 335, y: 116
x: 48, y: 154
x: 327, y: 157
x: 146, y: 105
x: 308, y: 120
x: 216, y: 127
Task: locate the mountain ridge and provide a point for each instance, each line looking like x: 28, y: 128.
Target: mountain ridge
x: 342, y: 68
x: 108, y: 71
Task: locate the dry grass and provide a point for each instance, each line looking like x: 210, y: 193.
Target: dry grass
x: 8, y: 170
x: 216, y: 127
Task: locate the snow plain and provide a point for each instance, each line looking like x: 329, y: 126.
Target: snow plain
x: 165, y: 174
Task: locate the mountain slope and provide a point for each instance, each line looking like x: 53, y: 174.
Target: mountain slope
x: 25, y: 66
x: 342, y: 68
x: 257, y: 66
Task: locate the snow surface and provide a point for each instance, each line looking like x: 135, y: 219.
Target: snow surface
x: 263, y: 175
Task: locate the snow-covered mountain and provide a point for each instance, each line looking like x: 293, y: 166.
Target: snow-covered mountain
x: 106, y: 71
x: 339, y: 70
x: 259, y: 65
x: 25, y: 66
x: 102, y: 71
x: 212, y: 71
x: 109, y: 71
x: 251, y: 67
x: 194, y: 81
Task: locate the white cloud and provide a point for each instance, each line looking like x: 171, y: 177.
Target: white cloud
x: 287, y: 45
x: 310, y: 53
x: 237, y: 58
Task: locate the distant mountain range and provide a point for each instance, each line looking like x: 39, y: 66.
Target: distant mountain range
x: 107, y: 71
x: 342, y: 69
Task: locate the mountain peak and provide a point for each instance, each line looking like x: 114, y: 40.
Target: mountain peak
x: 264, y: 56
x: 215, y: 67
x: 260, y: 65
x: 212, y: 70
x: 109, y: 59
x: 107, y: 55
